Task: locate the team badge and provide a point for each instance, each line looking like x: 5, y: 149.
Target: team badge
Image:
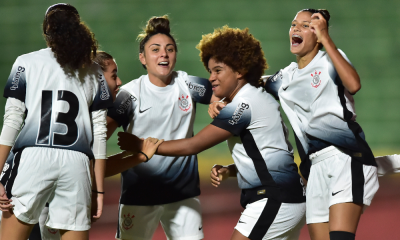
x: 316, y: 81
x: 52, y: 231
x: 127, y: 223
x: 183, y: 103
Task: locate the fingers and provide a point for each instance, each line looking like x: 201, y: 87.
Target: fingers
x: 214, y: 108
x: 215, y: 180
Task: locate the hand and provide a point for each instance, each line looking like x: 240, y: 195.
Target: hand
x: 319, y: 27
x: 97, y: 206
x: 129, y: 142
x: 214, y: 108
x: 218, y: 174
x: 150, y: 146
x: 5, y: 203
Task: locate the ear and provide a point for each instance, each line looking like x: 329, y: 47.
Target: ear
x: 239, y: 75
x: 142, y: 58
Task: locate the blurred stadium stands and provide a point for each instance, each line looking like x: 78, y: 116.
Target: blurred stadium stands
x: 367, y: 31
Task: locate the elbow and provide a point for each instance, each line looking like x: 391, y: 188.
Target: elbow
x: 354, y: 89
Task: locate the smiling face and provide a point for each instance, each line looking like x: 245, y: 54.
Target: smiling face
x: 225, y: 82
x: 159, y: 56
x: 302, y: 39
x: 111, y: 76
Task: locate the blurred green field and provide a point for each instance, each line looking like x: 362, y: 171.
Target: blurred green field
x: 367, y: 31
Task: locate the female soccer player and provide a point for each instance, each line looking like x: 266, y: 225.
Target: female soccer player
x: 63, y: 96
x: 272, y: 194
x: 161, y: 103
x: 316, y: 95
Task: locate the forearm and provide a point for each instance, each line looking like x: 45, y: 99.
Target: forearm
x: 346, y: 72
x: 232, y: 170
x: 119, y: 163
x: 99, y: 174
x: 4, y: 151
x: 182, y: 147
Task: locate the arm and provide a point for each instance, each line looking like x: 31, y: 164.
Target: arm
x: 206, y: 138
x: 125, y: 160
x: 112, y: 125
x: 348, y: 75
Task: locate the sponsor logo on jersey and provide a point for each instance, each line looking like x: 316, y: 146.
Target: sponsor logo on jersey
x: 105, y: 95
x: 52, y: 231
x: 237, y: 115
x: 127, y: 223
x: 5, y: 168
x: 183, y: 103
x: 316, y: 80
x: 197, y: 88
x: 15, y: 81
x: 125, y: 105
x: 276, y: 76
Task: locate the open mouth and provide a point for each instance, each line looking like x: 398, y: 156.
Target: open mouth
x: 214, y: 86
x: 163, y: 64
x: 296, y: 40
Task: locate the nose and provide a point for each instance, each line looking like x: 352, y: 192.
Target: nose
x: 164, y: 53
x: 119, y: 82
x: 212, y: 77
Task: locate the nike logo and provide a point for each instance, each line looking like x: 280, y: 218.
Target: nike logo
x: 333, y: 194
x: 200, y: 228
x: 142, y: 111
x: 284, y: 89
x: 241, y: 222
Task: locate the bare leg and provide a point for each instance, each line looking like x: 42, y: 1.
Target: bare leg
x: 236, y: 235
x: 14, y: 229
x: 318, y: 231
x: 74, y: 235
x: 344, y: 217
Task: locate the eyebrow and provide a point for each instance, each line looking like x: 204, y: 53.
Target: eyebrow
x: 303, y: 21
x: 169, y: 44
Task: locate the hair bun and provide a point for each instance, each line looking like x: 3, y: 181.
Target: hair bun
x: 158, y: 25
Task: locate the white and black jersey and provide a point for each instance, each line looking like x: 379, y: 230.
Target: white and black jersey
x: 58, y: 103
x: 320, y: 110
x: 260, y: 147
x: 168, y: 113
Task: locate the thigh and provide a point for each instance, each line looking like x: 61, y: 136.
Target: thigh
x: 69, y: 207
x: 138, y: 222
x: 175, y: 220
x: 13, y: 228
x: 32, y: 182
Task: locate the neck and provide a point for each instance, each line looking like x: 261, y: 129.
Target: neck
x: 303, y: 61
x: 241, y: 83
x: 160, y: 82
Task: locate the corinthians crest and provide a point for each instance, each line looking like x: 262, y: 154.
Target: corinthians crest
x: 184, y: 103
x: 316, y: 81
x: 127, y: 223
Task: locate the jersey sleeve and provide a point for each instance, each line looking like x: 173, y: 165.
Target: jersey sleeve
x: 16, y: 83
x: 103, y: 98
x: 273, y: 84
x: 234, y: 117
x: 123, y: 108
x: 200, y: 89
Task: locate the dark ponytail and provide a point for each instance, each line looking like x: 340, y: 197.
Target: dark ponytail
x: 71, y: 41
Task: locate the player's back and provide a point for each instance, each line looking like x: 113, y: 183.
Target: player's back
x: 57, y: 101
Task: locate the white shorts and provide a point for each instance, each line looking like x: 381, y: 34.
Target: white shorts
x: 335, y: 178
x: 57, y: 176
x: 180, y: 220
x: 270, y: 219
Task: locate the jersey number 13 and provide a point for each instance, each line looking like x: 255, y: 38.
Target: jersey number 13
x: 68, y: 119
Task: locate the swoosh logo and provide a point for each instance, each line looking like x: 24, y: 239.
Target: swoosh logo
x: 200, y: 228
x: 241, y: 221
x: 284, y: 89
x: 333, y: 194
x: 142, y: 111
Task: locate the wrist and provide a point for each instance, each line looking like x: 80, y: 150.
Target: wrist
x: 143, y: 156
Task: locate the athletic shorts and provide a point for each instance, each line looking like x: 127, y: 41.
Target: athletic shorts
x: 388, y: 164
x: 335, y: 178
x: 271, y: 219
x: 180, y: 220
x: 55, y: 176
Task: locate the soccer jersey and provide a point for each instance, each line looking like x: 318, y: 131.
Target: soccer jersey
x: 320, y: 110
x: 168, y: 113
x: 259, y: 145
x: 58, y: 102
